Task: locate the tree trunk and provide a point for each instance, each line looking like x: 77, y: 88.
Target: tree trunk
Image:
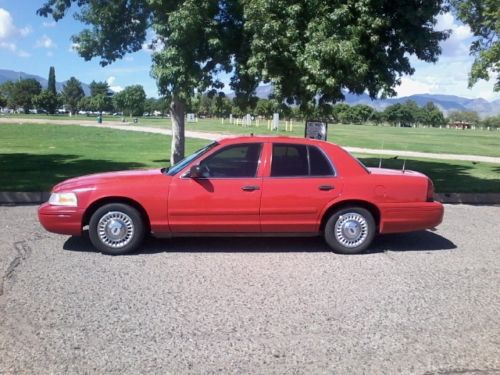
x: 177, y: 116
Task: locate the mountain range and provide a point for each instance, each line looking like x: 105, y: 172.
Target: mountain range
x: 10, y: 75
x: 447, y: 103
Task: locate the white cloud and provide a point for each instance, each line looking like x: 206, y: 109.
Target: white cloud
x: 45, y: 42
x: 110, y: 81
x: 150, y: 47
x: 25, y: 31
x: 49, y: 24
x: 461, y: 35
x: 8, y: 29
x: 73, y: 47
x: 22, y: 53
x: 12, y: 47
x: 410, y: 86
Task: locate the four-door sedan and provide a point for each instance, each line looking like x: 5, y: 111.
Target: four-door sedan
x: 246, y: 186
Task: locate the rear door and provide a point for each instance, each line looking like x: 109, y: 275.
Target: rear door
x: 300, y: 183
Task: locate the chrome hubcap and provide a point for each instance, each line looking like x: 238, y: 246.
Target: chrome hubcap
x: 351, y: 229
x: 115, y: 229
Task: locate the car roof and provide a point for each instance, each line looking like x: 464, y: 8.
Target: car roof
x: 272, y: 139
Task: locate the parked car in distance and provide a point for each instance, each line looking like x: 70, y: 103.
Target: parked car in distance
x: 246, y: 186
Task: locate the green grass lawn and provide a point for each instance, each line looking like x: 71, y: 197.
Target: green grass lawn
x: 35, y: 157
x: 448, y: 176
x: 471, y: 142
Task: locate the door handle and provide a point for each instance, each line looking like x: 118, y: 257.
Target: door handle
x: 326, y: 187
x: 250, y: 187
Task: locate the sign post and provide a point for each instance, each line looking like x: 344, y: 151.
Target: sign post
x: 316, y: 129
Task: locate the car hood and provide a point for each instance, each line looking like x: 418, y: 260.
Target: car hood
x: 89, y: 181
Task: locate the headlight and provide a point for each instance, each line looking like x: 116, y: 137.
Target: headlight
x: 63, y: 199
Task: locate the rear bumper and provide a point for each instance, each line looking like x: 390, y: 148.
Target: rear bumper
x: 408, y: 217
x: 61, y: 220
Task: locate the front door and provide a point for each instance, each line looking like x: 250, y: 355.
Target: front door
x: 225, y: 199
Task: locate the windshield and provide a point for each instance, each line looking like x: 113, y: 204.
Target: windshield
x: 180, y: 165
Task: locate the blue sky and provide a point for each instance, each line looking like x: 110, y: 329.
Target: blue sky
x: 32, y: 44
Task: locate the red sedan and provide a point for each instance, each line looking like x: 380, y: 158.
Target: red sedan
x: 250, y: 186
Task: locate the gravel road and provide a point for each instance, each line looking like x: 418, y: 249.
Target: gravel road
x: 421, y: 303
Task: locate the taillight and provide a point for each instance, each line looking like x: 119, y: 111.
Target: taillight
x: 430, y: 191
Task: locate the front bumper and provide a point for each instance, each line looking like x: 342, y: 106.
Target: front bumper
x: 409, y: 217
x: 61, y: 220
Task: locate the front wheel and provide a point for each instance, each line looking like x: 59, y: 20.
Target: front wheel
x: 116, y: 229
x: 350, y: 230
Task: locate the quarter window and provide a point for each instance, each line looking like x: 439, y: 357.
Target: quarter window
x: 238, y: 161
x: 320, y: 166
x: 290, y: 160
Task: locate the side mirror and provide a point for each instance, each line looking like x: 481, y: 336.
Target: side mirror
x: 195, y: 171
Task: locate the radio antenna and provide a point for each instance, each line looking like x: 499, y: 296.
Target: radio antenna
x: 380, y: 156
x: 404, y: 160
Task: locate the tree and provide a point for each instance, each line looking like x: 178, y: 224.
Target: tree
x: 47, y: 101
x: 491, y: 122
x: 3, y: 100
x: 470, y: 117
x: 100, y: 103
x: 20, y: 94
x: 84, y: 104
x: 131, y: 100
x: 221, y: 105
x: 483, y: 17
x: 51, y: 84
x: 432, y: 115
x: 72, y: 93
x: 99, y: 88
x: 308, y: 50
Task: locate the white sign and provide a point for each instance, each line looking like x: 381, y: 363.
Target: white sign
x: 316, y: 130
x: 276, y: 121
x: 190, y: 117
x: 248, y: 119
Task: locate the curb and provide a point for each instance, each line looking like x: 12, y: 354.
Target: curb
x: 23, y: 197
x: 10, y: 197
x: 468, y: 198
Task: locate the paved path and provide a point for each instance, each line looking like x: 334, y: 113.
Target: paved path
x: 215, y: 136
x: 418, y: 303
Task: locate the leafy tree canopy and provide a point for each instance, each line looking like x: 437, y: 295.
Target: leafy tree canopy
x: 308, y: 49
x: 47, y: 101
x: 131, y: 100
x: 72, y: 94
x: 20, y: 93
x: 483, y: 17
x: 51, y: 85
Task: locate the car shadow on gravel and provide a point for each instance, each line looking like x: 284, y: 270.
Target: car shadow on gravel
x: 416, y: 241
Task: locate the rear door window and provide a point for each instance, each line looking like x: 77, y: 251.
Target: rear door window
x: 292, y: 160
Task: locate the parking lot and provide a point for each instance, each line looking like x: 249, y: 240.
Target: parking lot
x: 419, y: 303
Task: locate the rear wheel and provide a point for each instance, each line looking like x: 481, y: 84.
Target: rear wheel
x: 116, y: 229
x: 350, y: 230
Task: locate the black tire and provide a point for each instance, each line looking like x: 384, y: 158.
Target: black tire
x: 350, y: 230
x: 116, y: 229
